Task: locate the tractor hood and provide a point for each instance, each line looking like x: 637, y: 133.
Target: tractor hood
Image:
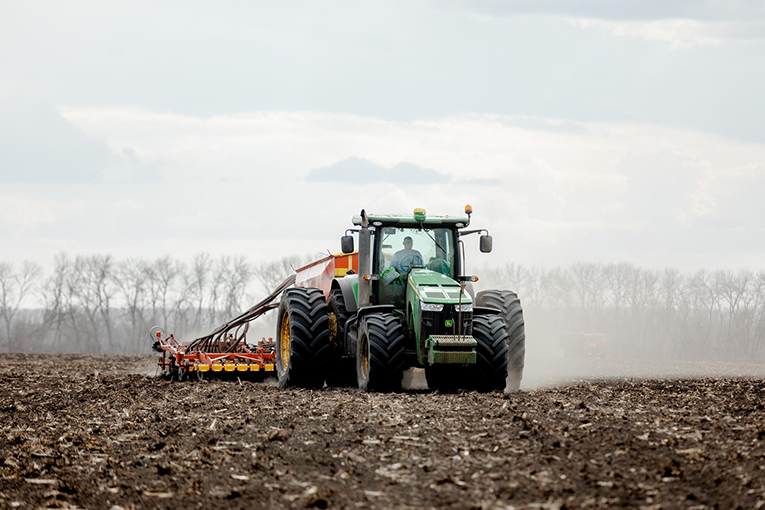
x: 433, y: 287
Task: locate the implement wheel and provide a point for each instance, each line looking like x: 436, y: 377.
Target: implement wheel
x: 303, y: 351
x: 169, y: 370
x: 380, y: 354
x: 180, y: 372
x: 508, y: 302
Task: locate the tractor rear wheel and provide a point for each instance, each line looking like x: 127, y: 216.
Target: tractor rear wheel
x: 510, y: 305
x: 490, y: 332
x: 338, y: 316
x: 303, y: 350
x: 342, y: 371
x: 380, y: 360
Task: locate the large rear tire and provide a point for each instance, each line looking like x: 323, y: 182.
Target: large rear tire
x: 342, y: 371
x: 338, y: 316
x: 510, y: 305
x: 303, y: 351
x: 490, y: 331
x: 380, y: 360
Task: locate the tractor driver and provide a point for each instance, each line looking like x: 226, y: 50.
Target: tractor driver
x: 404, y: 259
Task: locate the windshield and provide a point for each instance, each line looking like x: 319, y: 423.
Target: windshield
x: 405, y: 248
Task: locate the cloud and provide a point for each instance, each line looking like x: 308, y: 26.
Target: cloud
x: 608, y: 191
x: 528, y: 122
x: 478, y: 182
x: 37, y: 144
x: 679, y: 33
x: 682, y: 23
x: 518, y: 58
x: 730, y: 198
x: 20, y: 213
x: 358, y: 170
x: 623, y: 10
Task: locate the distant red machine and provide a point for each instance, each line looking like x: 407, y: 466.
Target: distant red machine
x: 584, y: 345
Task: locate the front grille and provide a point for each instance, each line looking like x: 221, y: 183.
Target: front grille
x: 433, y: 323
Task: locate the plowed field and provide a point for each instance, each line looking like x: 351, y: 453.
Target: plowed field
x: 102, y: 432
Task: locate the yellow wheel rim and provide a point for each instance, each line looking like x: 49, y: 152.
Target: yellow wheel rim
x: 333, y: 329
x: 284, y: 341
x: 364, y: 357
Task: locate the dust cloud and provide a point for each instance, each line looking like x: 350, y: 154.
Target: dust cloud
x: 548, y: 365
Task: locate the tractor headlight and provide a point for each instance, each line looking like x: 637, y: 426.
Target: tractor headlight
x: 431, y: 307
x: 464, y: 308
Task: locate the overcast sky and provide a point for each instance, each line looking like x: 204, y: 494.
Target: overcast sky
x: 579, y: 130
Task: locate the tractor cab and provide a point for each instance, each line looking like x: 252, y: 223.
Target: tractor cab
x: 400, y: 250
x: 415, y: 268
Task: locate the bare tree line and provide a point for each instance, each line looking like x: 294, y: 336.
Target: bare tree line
x: 97, y: 304
x: 645, y: 313
x: 102, y: 305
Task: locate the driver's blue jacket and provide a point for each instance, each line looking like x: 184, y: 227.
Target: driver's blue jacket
x: 403, y: 261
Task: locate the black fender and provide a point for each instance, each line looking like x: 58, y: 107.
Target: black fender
x: 485, y: 310
x: 348, y: 296
x: 374, y: 309
x: 352, y: 325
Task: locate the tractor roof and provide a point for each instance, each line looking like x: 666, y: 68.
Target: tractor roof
x: 409, y: 220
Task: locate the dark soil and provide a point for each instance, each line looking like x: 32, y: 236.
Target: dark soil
x: 94, y: 432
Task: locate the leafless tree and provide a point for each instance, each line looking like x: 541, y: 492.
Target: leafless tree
x: 237, y: 273
x: 164, y: 274
x: 130, y: 278
x: 757, y: 341
x: 91, y: 289
x: 15, y: 287
x: 54, y: 299
x: 199, y: 283
x: 586, y: 281
x: 271, y: 274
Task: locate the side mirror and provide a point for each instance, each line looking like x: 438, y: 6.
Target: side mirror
x: 486, y: 243
x: 346, y: 244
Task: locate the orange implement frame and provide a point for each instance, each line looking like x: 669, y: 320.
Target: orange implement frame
x: 225, y: 350
x: 178, y: 362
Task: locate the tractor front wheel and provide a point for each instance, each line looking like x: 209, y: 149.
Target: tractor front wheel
x: 490, y: 332
x: 303, y: 350
x: 380, y: 360
x: 510, y: 305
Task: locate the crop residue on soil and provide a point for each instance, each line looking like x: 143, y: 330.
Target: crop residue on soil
x: 89, y: 431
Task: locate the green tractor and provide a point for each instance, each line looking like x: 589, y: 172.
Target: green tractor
x: 406, y: 304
